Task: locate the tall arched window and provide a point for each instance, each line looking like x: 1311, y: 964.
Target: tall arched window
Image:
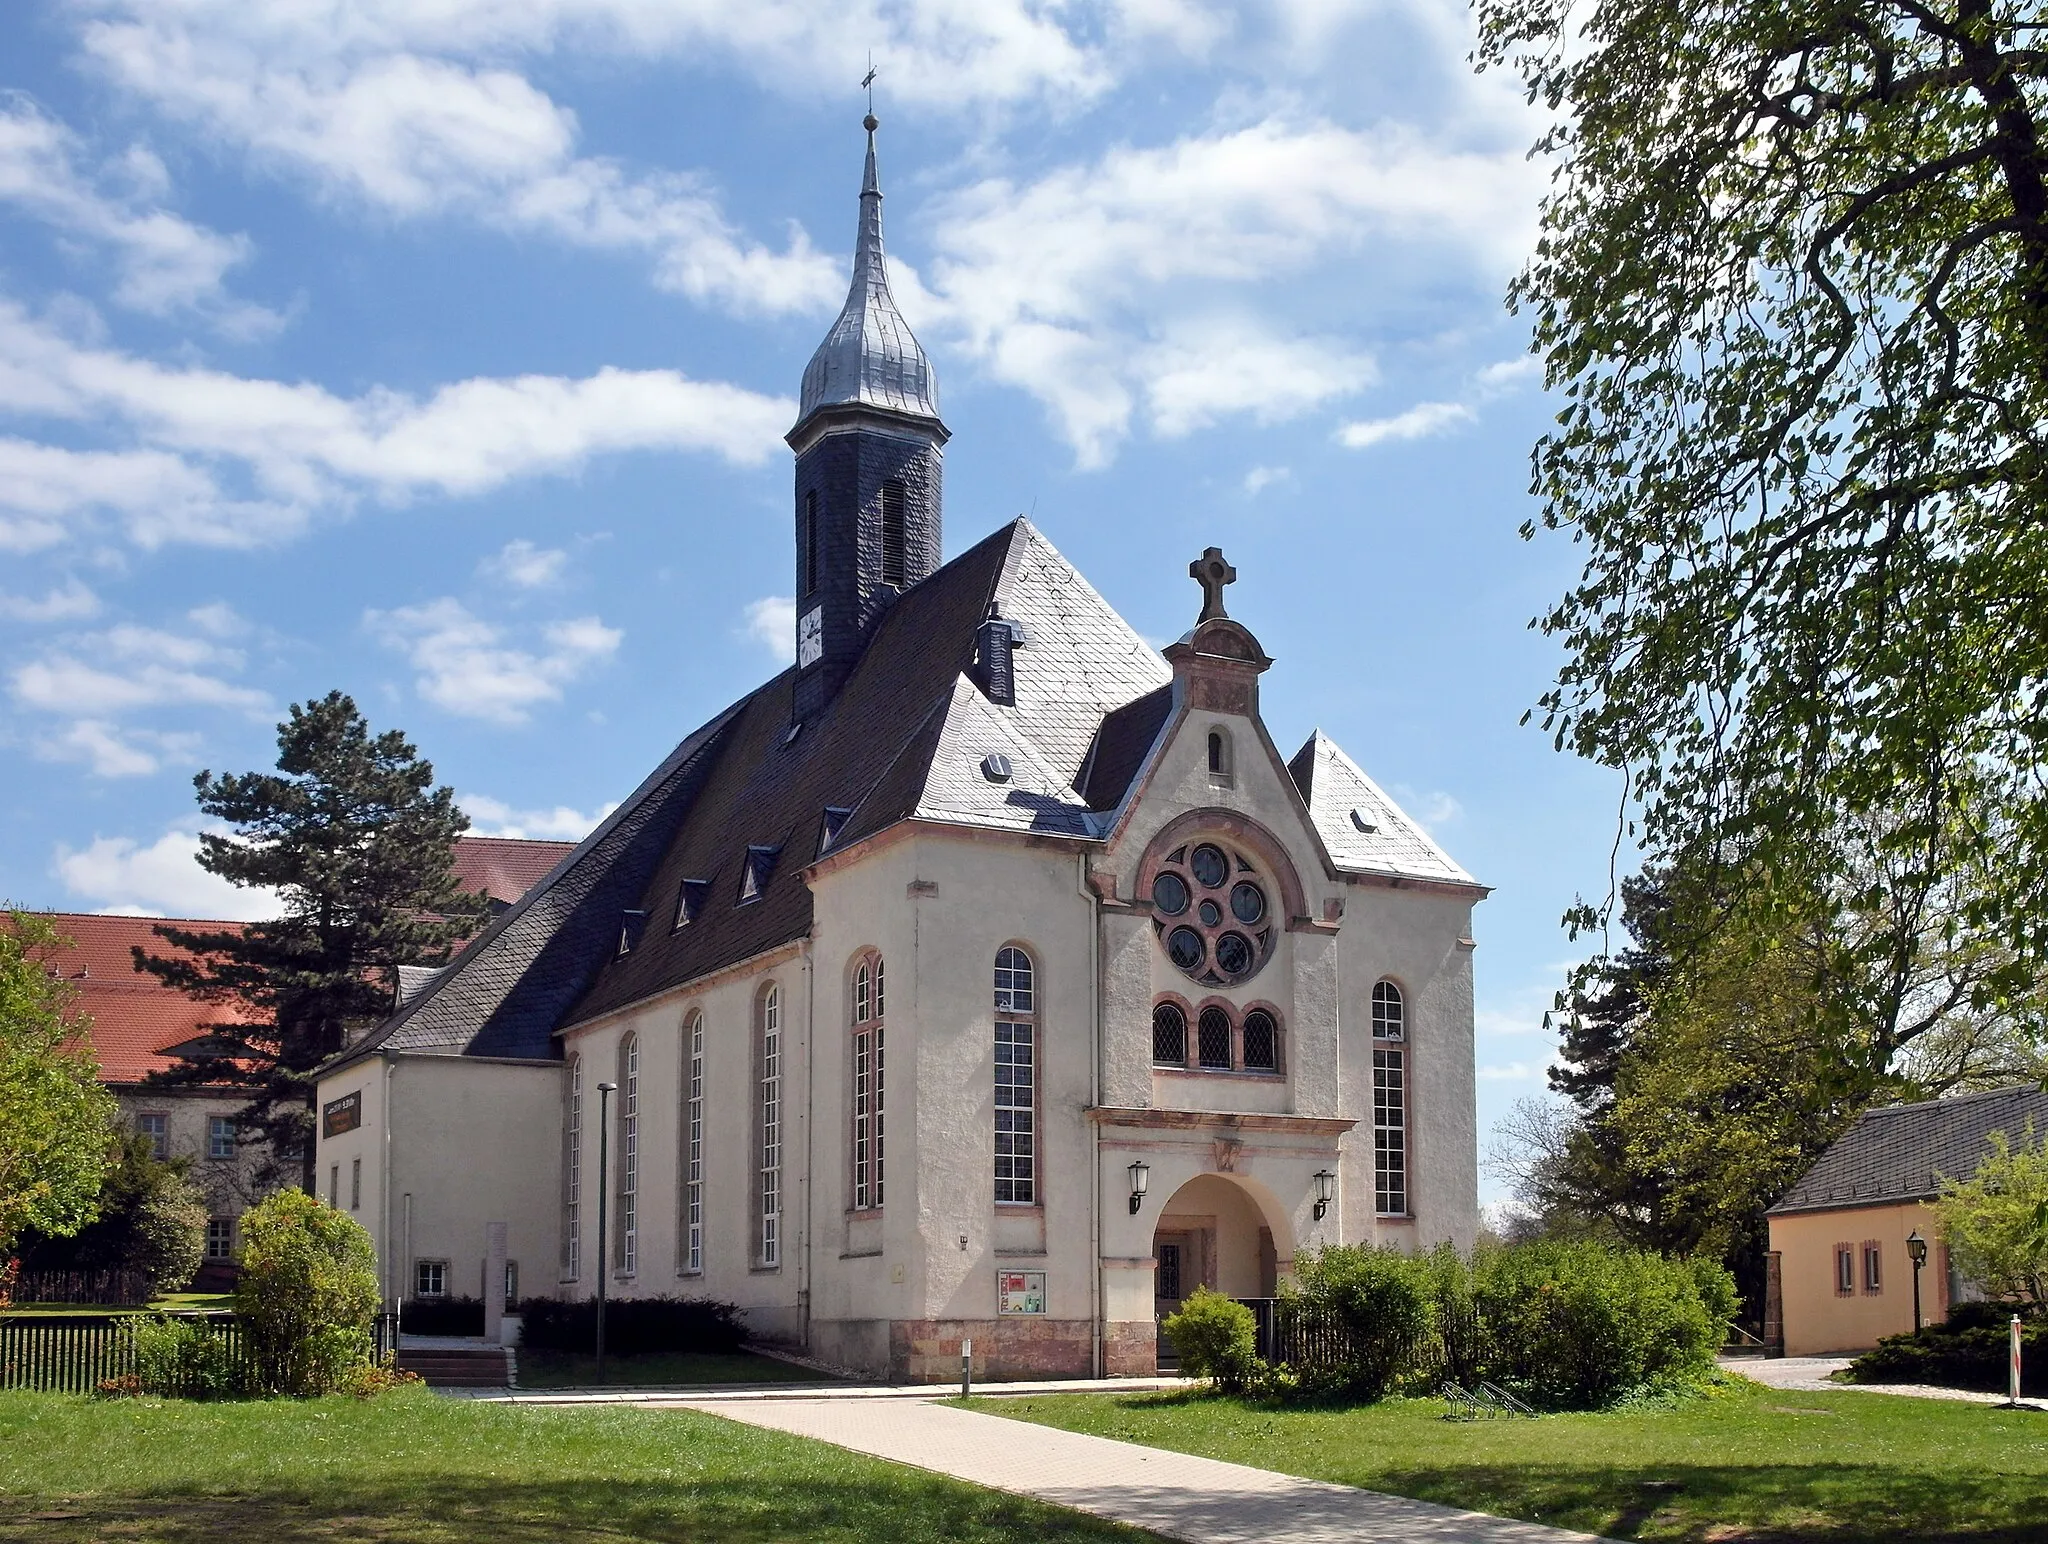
x: 1389, y: 1100
x: 768, y: 1125
x: 572, y: 1168
x: 1219, y: 756
x: 692, y: 1230
x: 1169, y: 1036
x: 629, y: 1154
x: 869, y: 1009
x: 1016, y: 1078
x: 895, y: 534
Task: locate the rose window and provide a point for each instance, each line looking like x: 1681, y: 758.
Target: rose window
x: 1209, y: 905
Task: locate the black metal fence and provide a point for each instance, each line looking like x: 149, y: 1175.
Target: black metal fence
x: 76, y: 1353
x: 1309, y: 1338
x: 107, y: 1288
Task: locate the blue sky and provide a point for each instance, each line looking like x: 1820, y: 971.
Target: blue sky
x: 440, y: 351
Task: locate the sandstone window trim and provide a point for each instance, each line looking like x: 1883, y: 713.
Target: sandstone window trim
x: 1178, y: 1043
x: 1392, y: 1115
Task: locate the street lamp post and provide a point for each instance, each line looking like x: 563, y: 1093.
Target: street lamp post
x: 604, y: 1155
x: 1916, y: 1251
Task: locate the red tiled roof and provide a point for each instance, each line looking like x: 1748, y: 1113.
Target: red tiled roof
x: 503, y: 867
x: 135, y: 1017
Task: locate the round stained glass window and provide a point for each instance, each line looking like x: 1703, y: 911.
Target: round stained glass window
x: 1234, y: 955
x: 1212, y: 912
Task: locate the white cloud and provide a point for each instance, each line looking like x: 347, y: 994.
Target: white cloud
x: 119, y: 875
x: 494, y: 817
x: 771, y: 621
x: 166, y: 263
x: 1417, y: 423
x: 110, y: 750
x: 521, y: 563
x: 466, y: 667
x: 1137, y: 307
x: 1510, y: 1072
x: 1431, y: 810
x: 296, y: 449
x: 129, y: 668
x: 1260, y: 478
x: 71, y: 603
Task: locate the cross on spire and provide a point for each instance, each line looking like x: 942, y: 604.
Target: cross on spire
x: 868, y: 84
x: 1212, y: 573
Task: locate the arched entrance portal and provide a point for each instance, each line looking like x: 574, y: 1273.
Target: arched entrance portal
x: 1212, y: 1232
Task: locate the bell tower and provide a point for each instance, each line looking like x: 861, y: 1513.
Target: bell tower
x: 869, y: 468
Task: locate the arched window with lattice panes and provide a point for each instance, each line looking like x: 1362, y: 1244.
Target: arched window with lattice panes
x: 869, y: 1082
x: 627, y: 1254
x: 572, y: 1167
x: 1390, y: 1099
x: 768, y: 1126
x: 1016, y: 1066
x: 690, y: 1221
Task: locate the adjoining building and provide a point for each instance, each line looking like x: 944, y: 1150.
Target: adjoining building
x: 984, y: 975
x: 141, y: 1027
x: 1841, y: 1265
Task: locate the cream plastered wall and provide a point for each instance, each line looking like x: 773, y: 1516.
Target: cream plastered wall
x: 1321, y: 978
x: 1818, y: 1320
x: 731, y: 1265
x: 367, y: 1144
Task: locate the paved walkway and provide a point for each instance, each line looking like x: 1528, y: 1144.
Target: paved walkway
x: 1197, y: 1500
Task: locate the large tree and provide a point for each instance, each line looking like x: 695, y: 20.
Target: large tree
x: 56, y: 1121
x: 359, y: 846
x: 1792, y: 287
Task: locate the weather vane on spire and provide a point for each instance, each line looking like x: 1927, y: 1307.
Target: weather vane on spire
x: 868, y: 83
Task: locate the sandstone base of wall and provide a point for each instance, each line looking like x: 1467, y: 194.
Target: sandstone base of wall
x: 1005, y: 1350
x: 1130, y: 1349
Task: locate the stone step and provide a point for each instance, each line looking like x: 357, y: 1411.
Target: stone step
x: 457, y: 1368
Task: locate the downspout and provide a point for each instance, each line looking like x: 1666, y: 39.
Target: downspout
x: 391, y: 1277
x: 1094, y: 1127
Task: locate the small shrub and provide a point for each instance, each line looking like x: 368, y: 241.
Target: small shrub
x: 1969, y: 1351
x: 1216, y: 1338
x: 369, y: 1379
x: 307, y: 1294
x: 1577, y: 1326
x: 1381, y: 1303
x: 186, y: 1358
x: 632, y: 1326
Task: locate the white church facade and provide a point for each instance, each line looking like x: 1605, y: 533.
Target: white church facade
x: 984, y: 975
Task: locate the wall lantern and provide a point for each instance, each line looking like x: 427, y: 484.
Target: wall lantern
x: 1141, y: 1175
x: 1326, y: 1188
x: 1916, y: 1251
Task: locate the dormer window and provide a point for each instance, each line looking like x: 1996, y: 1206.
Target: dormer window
x: 690, y: 900
x: 836, y: 817
x: 629, y: 931
x: 754, y: 877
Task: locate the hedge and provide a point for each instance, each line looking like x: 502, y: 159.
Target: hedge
x: 632, y: 1325
x: 1968, y: 1351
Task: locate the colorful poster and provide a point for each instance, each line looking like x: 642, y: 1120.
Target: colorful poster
x: 1020, y: 1291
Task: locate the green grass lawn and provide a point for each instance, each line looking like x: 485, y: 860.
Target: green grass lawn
x: 1749, y: 1464
x: 573, y: 1369
x: 412, y: 1468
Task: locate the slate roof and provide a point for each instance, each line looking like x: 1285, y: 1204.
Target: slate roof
x: 904, y: 738
x: 1903, y: 1152
x: 1335, y: 790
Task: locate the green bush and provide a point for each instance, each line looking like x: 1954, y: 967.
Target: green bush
x: 1967, y: 1352
x: 1578, y: 1326
x: 1378, y: 1305
x: 633, y: 1326
x: 188, y: 1358
x: 307, y: 1295
x: 1216, y: 1338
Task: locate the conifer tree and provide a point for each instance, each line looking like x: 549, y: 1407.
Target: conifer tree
x: 359, y: 845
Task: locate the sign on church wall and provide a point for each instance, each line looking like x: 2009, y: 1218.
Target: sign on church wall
x: 1020, y: 1292
x: 343, y: 1114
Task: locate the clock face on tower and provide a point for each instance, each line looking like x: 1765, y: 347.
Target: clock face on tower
x: 810, y: 637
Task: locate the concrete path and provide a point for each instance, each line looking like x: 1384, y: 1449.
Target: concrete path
x: 1198, y: 1500
x: 1810, y: 1374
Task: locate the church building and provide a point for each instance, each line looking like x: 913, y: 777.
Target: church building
x: 984, y: 975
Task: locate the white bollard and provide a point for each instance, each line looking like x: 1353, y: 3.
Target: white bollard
x: 967, y: 1366
x: 2012, y: 1369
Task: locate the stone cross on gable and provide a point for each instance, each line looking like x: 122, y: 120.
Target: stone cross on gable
x: 1212, y: 573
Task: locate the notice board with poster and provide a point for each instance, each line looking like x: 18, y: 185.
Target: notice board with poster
x: 340, y: 1115
x: 1020, y: 1292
